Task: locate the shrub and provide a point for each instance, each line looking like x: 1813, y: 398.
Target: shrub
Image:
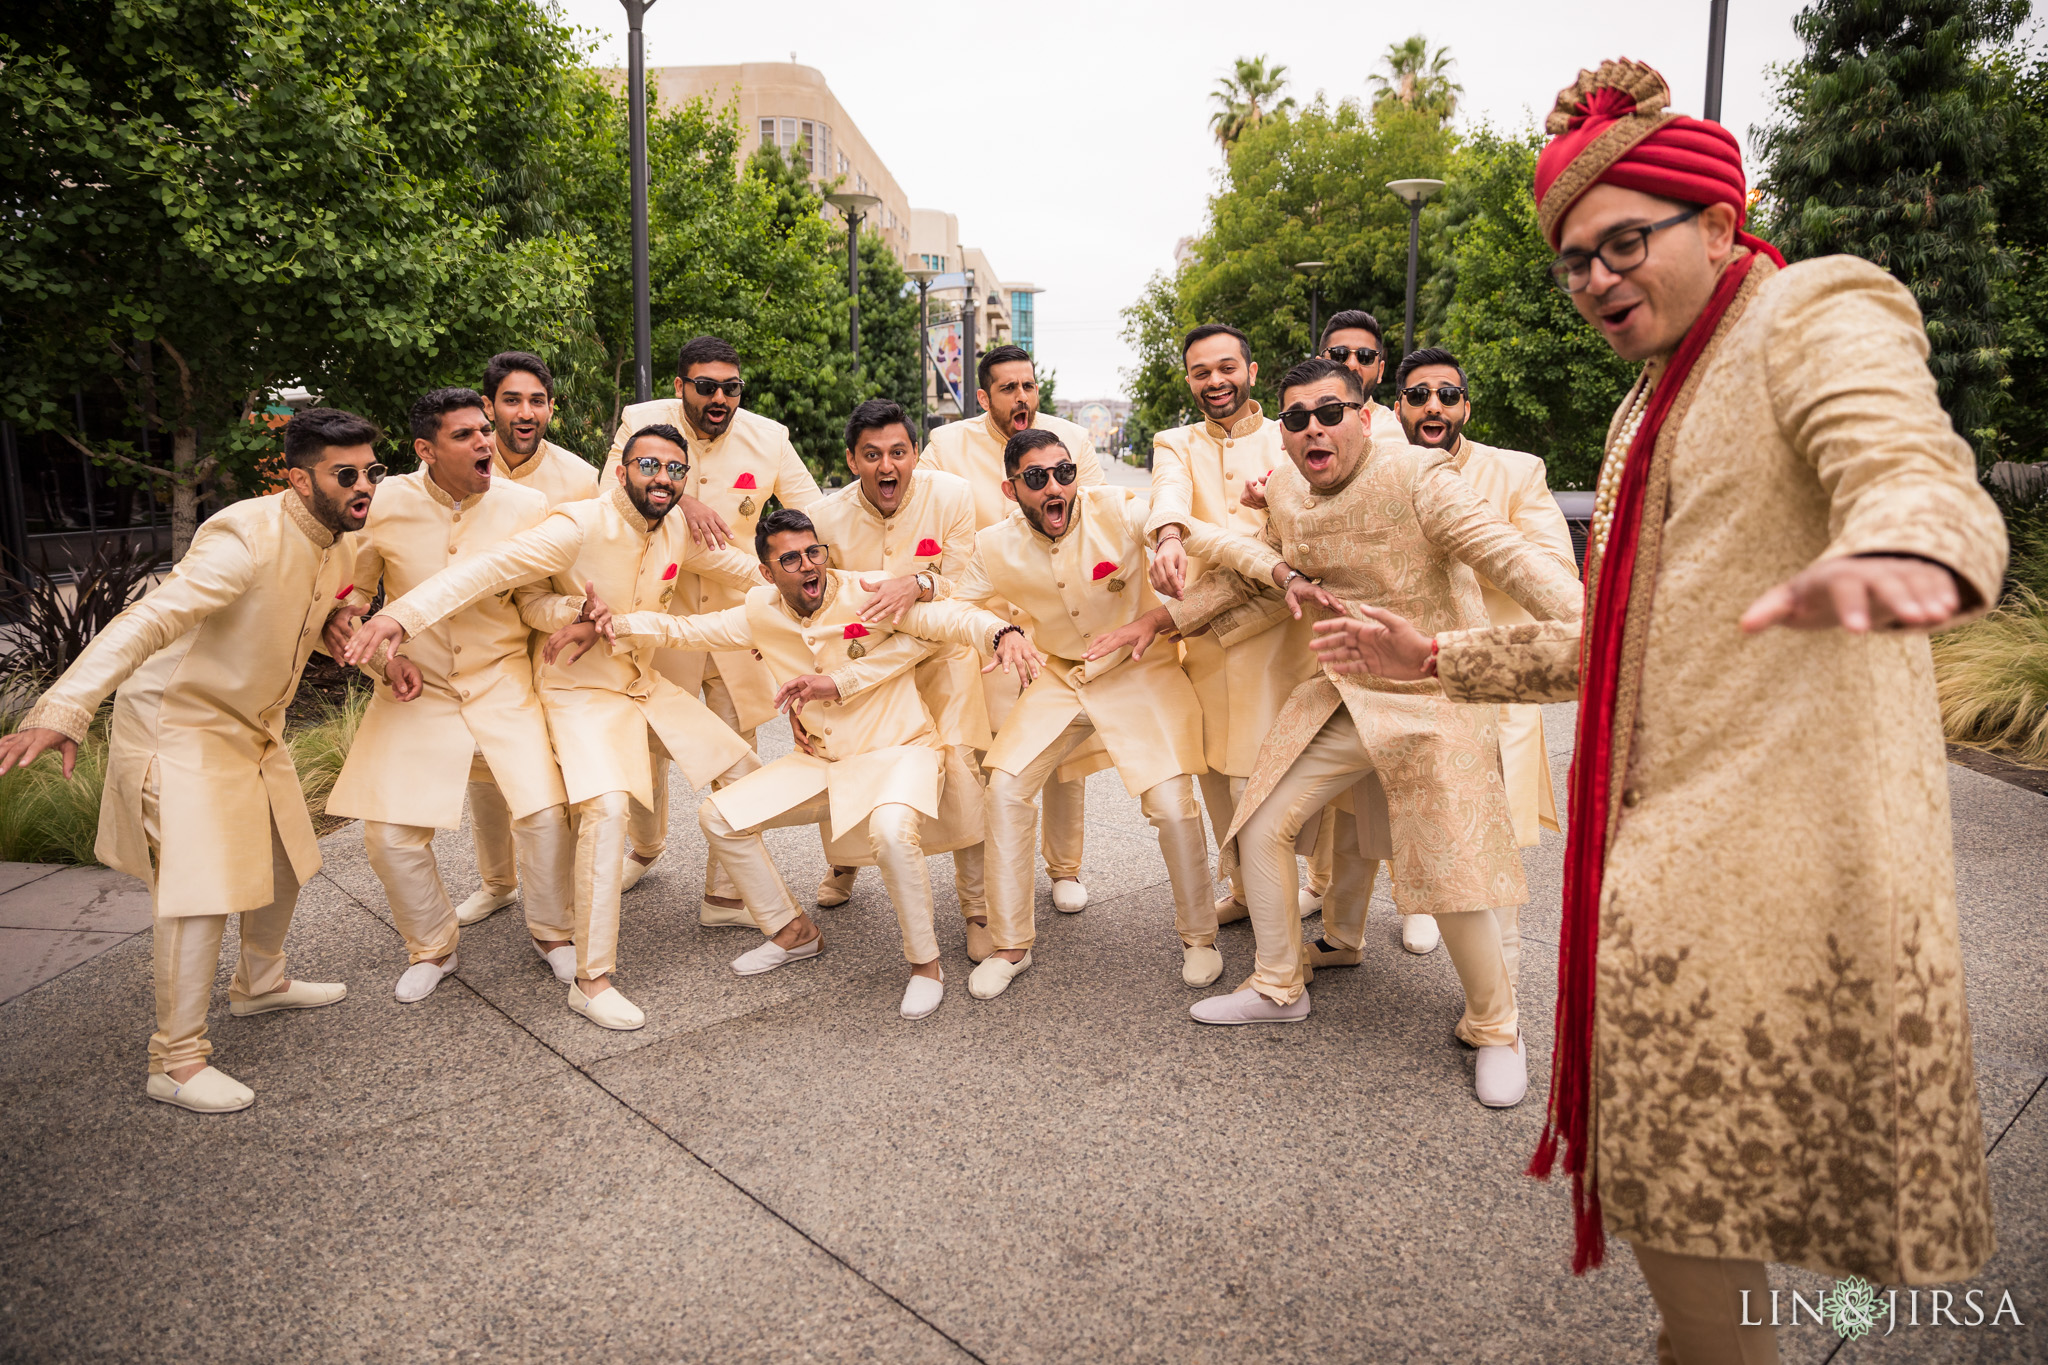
x: 1992, y: 679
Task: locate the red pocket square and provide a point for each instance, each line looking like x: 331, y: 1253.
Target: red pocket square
x: 1104, y: 570
x: 346, y: 589
x: 853, y: 632
x: 928, y: 546
x: 668, y: 573
x: 744, y: 481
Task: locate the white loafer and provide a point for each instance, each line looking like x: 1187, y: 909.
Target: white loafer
x: 632, y: 872
x: 1200, y: 966
x: 299, y: 995
x: 1419, y: 933
x: 1310, y: 902
x: 923, y: 995
x: 724, y: 916
x: 561, y: 961
x: 606, y: 1009
x: 1247, y: 1006
x: 994, y: 976
x: 1229, y: 910
x: 771, y: 955
x: 417, y: 982
x: 1069, y: 897
x: 1501, y: 1077
x: 481, y: 905
x: 209, y: 1092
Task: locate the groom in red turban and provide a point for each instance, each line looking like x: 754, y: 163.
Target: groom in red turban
x: 1762, y: 1048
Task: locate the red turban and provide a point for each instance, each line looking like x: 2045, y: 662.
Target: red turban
x: 1610, y: 127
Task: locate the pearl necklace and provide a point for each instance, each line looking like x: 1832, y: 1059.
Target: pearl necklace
x: 1609, y: 485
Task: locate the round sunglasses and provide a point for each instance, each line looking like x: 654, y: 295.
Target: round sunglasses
x: 1035, y: 477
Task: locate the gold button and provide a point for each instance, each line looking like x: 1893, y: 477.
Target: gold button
x: 458, y: 649
x: 1308, y: 502
x: 1059, y: 585
x: 1230, y: 473
x: 1075, y: 612
x: 451, y: 549
x: 1631, y: 798
x: 1228, y: 442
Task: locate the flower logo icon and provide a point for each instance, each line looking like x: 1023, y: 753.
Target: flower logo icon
x: 1852, y: 1307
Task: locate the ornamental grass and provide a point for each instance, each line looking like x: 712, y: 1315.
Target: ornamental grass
x: 1992, y: 679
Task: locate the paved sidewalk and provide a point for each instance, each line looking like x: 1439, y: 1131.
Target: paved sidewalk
x: 781, y: 1169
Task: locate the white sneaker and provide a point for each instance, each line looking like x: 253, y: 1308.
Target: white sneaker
x: 1069, y: 897
x: 923, y: 995
x: 771, y: 955
x: 481, y: 905
x: 632, y: 872
x: 724, y: 916
x: 994, y: 976
x: 208, y: 1092
x: 607, y: 1009
x: 561, y: 961
x: 1419, y: 933
x: 1501, y: 1077
x: 1200, y: 966
x: 417, y: 982
x: 1310, y: 902
x: 1247, y: 1006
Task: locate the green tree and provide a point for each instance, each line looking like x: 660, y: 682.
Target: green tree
x: 1417, y: 79
x: 1153, y: 327
x: 1247, y: 97
x: 1884, y: 146
x: 2020, y: 187
x: 213, y: 199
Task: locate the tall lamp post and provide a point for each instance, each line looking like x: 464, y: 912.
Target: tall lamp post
x: 1717, y: 54
x: 923, y: 274
x: 1315, y: 301
x: 970, y: 360
x: 1415, y: 193
x: 854, y: 207
x: 636, y: 139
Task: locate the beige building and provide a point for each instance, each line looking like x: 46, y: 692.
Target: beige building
x: 1004, y: 310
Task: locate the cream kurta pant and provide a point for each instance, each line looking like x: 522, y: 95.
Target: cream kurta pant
x: 1066, y: 803
x: 186, y: 949
x: 648, y: 826
x: 1220, y: 795
x: 1012, y: 812
x: 1700, y: 1298
x: 1334, y: 760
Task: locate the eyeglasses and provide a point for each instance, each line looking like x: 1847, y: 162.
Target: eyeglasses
x: 731, y: 388
x: 347, y: 475
x: 648, y: 466
x: 1366, y: 354
x: 1620, y: 253
x: 1450, y: 395
x: 1035, y: 477
x: 813, y: 554
x: 1329, y: 414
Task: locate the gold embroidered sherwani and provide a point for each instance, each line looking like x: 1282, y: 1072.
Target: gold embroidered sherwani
x: 201, y: 801
x: 556, y: 474
x: 1405, y: 532
x: 874, y: 748
x: 1781, y: 1047
x: 603, y: 709
x: 411, y: 762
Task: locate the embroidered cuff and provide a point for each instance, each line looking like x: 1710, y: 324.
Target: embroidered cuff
x: 72, y: 722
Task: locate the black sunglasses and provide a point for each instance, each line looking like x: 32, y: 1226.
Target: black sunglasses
x: 648, y: 465
x: 1366, y: 354
x: 346, y: 475
x: 1329, y: 414
x: 731, y: 388
x: 813, y: 553
x: 1035, y: 477
x: 1450, y: 395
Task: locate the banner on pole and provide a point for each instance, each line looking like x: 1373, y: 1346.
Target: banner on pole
x: 943, y: 341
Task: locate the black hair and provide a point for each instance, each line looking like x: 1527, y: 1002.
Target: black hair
x: 1428, y: 355
x: 1022, y: 444
x: 308, y: 434
x: 1215, y: 329
x: 660, y: 430
x: 704, y: 351
x: 1316, y: 369
x: 779, y: 522
x: 507, y: 363
x: 1002, y: 355
x: 429, y: 409
x: 875, y: 414
x: 1351, y: 320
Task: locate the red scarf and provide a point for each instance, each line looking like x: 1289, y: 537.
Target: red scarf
x: 1571, y: 1061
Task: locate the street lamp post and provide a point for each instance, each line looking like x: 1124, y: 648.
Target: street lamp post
x: 855, y: 207
x: 969, y: 404
x: 1717, y: 54
x: 923, y: 274
x: 1415, y: 193
x: 636, y: 138
x: 1315, y: 301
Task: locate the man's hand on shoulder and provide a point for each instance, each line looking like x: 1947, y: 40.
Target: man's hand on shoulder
x: 707, y: 528
x: 1861, y: 593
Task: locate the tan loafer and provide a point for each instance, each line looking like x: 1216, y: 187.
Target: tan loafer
x: 631, y: 873
x: 713, y: 916
x: 1200, y: 966
x: 1230, y: 910
x: 209, y: 1092
x: 981, y: 944
x: 837, y: 888
x: 481, y: 905
x: 1320, y: 953
x: 607, y: 1009
x: 994, y: 976
x: 297, y: 995
x: 1069, y: 897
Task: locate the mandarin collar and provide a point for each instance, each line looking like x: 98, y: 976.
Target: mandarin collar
x: 1252, y: 418
x: 911, y: 485
x: 825, y: 605
x: 303, y: 518
x: 626, y: 509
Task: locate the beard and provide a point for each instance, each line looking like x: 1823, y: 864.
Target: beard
x: 638, y: 497
x: 1036, y: 516
x: 511, y: 442
x: 1224, y: 407
x: 333, y: 512
x: 1447, y: 441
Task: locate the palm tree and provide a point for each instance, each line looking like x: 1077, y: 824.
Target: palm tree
x: 1417, y: 79
x: 1246, y: 97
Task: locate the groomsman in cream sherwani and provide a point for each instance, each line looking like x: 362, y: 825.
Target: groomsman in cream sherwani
x: 973, y: 450
x: 474, y: 714
x: 738, y: 460
x: 1352, y: 338
x: 1073, y: 562
x: 613, y: 718
x: 870, y: 770
x: 909, y: 532
x: 201, y: 800
x: 1199, y: 475
x: 519, y: 398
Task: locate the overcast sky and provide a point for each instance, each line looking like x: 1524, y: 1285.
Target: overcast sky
x: 1072, y: 138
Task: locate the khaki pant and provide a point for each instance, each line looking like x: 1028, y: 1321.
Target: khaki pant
x: 1334, y: 760
x: 893, y: 832
x: 1065, y: 803
x: 1220, y: 795
x: 1344, y: 919
x: 186, y: 953
x: 649, y: 825
x: 1700, y: 1298
x: 540, y: 845
x: 1170, y: 806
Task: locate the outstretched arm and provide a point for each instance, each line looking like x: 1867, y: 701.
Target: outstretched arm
x: 538, y: 553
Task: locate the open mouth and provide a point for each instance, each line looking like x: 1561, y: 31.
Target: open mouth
x: 715, y: 416
x: 1054, y: 510
x: 660, y: 494
x: 1432, y: 431
x: 1020, y: 420
x: 358, y: 508
x: 1319, y: 459
x: 886, y: 487
x: 1616, y: 319
x: 483, y: 469
x: 525, y: 433
x: 813, y: 585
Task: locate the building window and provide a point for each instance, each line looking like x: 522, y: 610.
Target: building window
x: 788, y: 133
x: 767, y: 132
x: 1020, y: 321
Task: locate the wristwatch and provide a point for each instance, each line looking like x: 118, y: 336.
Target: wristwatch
x: 926, y: 585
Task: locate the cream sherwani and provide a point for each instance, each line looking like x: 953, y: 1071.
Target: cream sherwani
x: 608, y: 711
x: 201, y: 800
x: 556, y: 474
x: 877, y: 771
x: 411, y: 761
x: 973, y: 450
